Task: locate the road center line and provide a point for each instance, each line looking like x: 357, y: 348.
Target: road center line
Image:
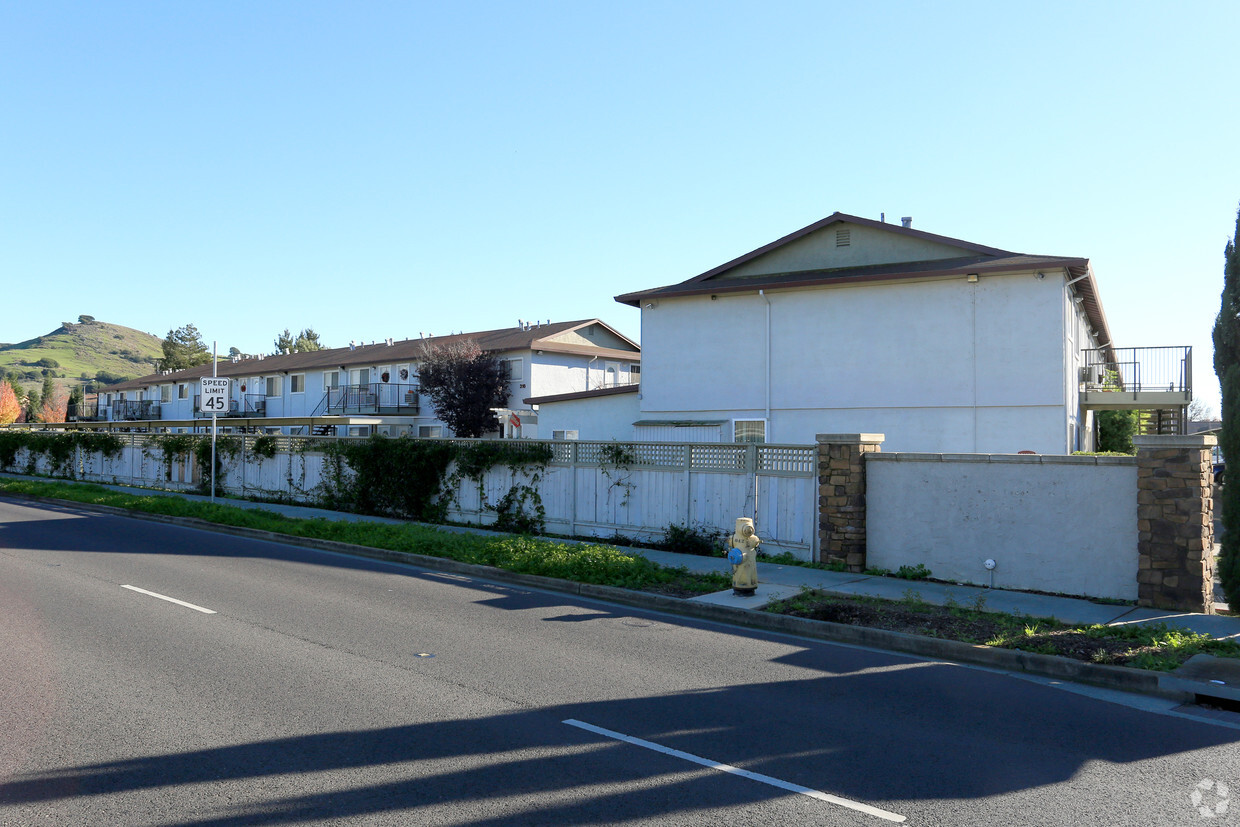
x: 753, y: 776
x: 171, y: 600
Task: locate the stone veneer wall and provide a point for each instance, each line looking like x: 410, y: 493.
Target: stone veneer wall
x: 1175, y: 522
x: 841, y: 496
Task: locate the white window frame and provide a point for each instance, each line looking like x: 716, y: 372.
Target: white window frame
x: 293, y: 382
x: 430, y: 431
x: 359, y: 430
x: 165, y: 394
x: 738, y: 437
x: 183, y: 391
x: 514, y: 371
x: 331, y: 379
x: 566, y: 434
x: 273, y: 382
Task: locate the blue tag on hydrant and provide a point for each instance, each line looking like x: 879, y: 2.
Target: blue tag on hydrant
x: 736, y: 556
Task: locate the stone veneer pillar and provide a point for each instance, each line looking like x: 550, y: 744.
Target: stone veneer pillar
x: 841, y: 496
x: 1175, y: 522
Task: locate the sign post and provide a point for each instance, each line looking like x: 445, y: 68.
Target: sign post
x: 213, y: 400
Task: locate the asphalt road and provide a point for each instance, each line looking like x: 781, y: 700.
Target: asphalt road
x: 326, y: 689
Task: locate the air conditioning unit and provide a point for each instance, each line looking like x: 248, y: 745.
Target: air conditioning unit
x: 1093, y: 375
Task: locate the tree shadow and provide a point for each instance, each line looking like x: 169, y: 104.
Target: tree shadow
x: 840, y: 734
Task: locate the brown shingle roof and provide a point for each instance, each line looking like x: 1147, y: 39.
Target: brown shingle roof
x: 981, y: 260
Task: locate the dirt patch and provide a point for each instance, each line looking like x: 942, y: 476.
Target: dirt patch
x: 1094, y: 644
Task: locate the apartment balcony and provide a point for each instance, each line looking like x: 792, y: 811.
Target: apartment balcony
x: 374, y: 398
x: 135, y: 410
x: 249, y: 404
x: 1137, y: 378
x: 86, y: 412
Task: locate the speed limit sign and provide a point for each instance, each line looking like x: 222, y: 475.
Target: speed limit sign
x: 214, y: 399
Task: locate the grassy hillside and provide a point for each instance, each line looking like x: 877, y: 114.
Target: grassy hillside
x: 75, y: 353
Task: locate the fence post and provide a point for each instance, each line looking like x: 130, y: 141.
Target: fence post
x: 1175, y: 522
x: 841, y: 496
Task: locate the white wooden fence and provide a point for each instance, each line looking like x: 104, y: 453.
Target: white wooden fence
x: 583, y: 490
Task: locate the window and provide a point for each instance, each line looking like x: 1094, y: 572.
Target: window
x: 182, y: 391
x: 359, y: 430
x: 512, y: 367
x: 273, y: 385
x: 165, y: 393
x: 431, y: 431
x: 331, y: 379
x: 749, y: 430
x: 297, y: 383
x: 635, y: 373
x: 564, y: 434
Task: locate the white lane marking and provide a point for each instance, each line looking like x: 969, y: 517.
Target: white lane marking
x: 753, y: 776
x: 171, y: 600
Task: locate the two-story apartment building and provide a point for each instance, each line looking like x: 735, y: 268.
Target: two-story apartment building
x: 373, y: 387
x: 851, y: 325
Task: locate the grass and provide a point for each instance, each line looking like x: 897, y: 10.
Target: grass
x: 1156, y: 647
x: 582, y: 563
x: 85, y: 349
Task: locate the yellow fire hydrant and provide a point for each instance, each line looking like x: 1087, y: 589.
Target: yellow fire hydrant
x: 744, y: 558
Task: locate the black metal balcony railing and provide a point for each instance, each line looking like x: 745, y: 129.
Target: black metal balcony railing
x: 85, y: 412
x: 1139, y: 370
x: 249, y: 404
x: 131, y: 410
x: 374, y: 398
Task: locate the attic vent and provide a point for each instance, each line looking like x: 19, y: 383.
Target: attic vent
x: 843, y: 238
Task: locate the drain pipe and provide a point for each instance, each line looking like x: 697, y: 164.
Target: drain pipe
x: 762, y: 294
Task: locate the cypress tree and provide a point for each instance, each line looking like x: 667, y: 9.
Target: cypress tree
x: 1227, y: 368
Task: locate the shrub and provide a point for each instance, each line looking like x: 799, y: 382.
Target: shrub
x: 701, y: 539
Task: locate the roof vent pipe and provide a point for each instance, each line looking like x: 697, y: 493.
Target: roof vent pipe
x: 907, y: 221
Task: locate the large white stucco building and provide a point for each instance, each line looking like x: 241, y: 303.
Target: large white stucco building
x: 851, y: 325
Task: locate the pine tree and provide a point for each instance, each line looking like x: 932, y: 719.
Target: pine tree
x: 285, y: 342
x: 307, y: 341
x: 1227, y: 368
x: 184, y: 348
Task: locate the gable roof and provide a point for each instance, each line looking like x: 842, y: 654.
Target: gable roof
x: 504, y: 340
x: 974, y: 258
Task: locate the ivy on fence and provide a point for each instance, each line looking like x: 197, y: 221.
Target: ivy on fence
x: 58, y: 448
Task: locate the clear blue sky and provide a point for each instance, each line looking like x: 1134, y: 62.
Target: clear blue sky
x: 384, y: 169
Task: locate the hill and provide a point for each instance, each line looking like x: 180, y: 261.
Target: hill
x: 74, y: 354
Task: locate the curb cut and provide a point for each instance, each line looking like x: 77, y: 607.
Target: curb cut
x: 1163, y: 685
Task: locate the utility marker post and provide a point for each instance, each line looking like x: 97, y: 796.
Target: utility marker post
x: 214, y: 398
x: 215, y: 372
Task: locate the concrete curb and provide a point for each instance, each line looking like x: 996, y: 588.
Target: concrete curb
x: 1141, y: 681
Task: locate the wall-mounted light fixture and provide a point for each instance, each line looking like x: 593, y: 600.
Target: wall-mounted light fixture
x: 972, y: 278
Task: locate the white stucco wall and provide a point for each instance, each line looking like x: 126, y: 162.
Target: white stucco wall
x: 1052, y: 523
x: 599, y: 418
x: 937, y: 365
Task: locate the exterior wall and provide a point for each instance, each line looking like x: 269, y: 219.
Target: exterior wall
x: 867, y: 245
x: 542, y: 374
x: 600, y: 418
x: 593, y: 336
x: 937, y: 365
x: 1051, y: 523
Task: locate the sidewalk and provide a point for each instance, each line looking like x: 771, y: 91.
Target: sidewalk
x: 776, y: 581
